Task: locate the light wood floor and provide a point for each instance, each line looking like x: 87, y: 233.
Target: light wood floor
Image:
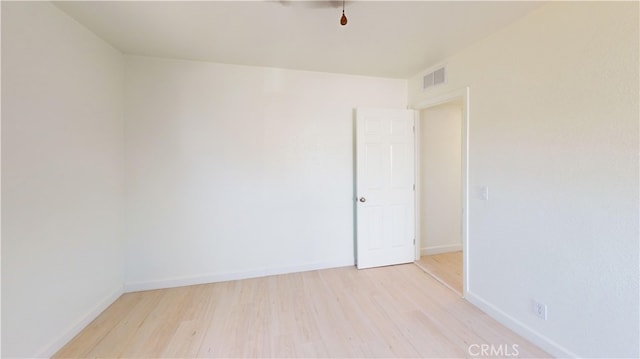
x: 445, y: 267
x: 396, y: 311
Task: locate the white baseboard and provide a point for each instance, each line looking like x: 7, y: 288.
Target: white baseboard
x: 546, y: 344
x: 223, y: 277
x: 427, y: 251
x: 73, y: 330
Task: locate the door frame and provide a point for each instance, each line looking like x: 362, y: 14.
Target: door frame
x: 439, y: 99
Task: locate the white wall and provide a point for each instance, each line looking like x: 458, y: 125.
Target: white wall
x: 554, y: 135
x: 62, y: 177
x: 440, y: 184
x: 236, y: 171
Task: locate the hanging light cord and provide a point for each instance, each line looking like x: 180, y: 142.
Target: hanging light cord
x: 343, y: 19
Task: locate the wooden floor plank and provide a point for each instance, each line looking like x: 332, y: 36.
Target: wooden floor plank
x: 396, y: 311
x: 446, y: 267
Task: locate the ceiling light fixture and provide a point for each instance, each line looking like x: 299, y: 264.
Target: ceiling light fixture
x: 343, y: 19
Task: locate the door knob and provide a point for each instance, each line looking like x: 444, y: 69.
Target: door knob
x: 363, y: 200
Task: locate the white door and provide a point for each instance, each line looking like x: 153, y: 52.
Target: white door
x: 385, y: 210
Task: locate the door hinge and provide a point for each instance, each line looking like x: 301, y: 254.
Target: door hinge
x: 414, y: 129
x: 414, y: 241
x: 414, y: 187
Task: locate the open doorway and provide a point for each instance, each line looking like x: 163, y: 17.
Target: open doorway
x: 441, y: 194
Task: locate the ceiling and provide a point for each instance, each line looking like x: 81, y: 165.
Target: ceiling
x: 383, y: 38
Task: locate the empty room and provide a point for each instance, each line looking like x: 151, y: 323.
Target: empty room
x: 320, y: 179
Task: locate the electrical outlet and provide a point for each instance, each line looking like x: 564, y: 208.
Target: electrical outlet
x: 539, y: 310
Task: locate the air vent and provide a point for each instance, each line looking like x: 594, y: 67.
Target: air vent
x: 434, y: 78
x: 438, y: 76
x: 428, y: 80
